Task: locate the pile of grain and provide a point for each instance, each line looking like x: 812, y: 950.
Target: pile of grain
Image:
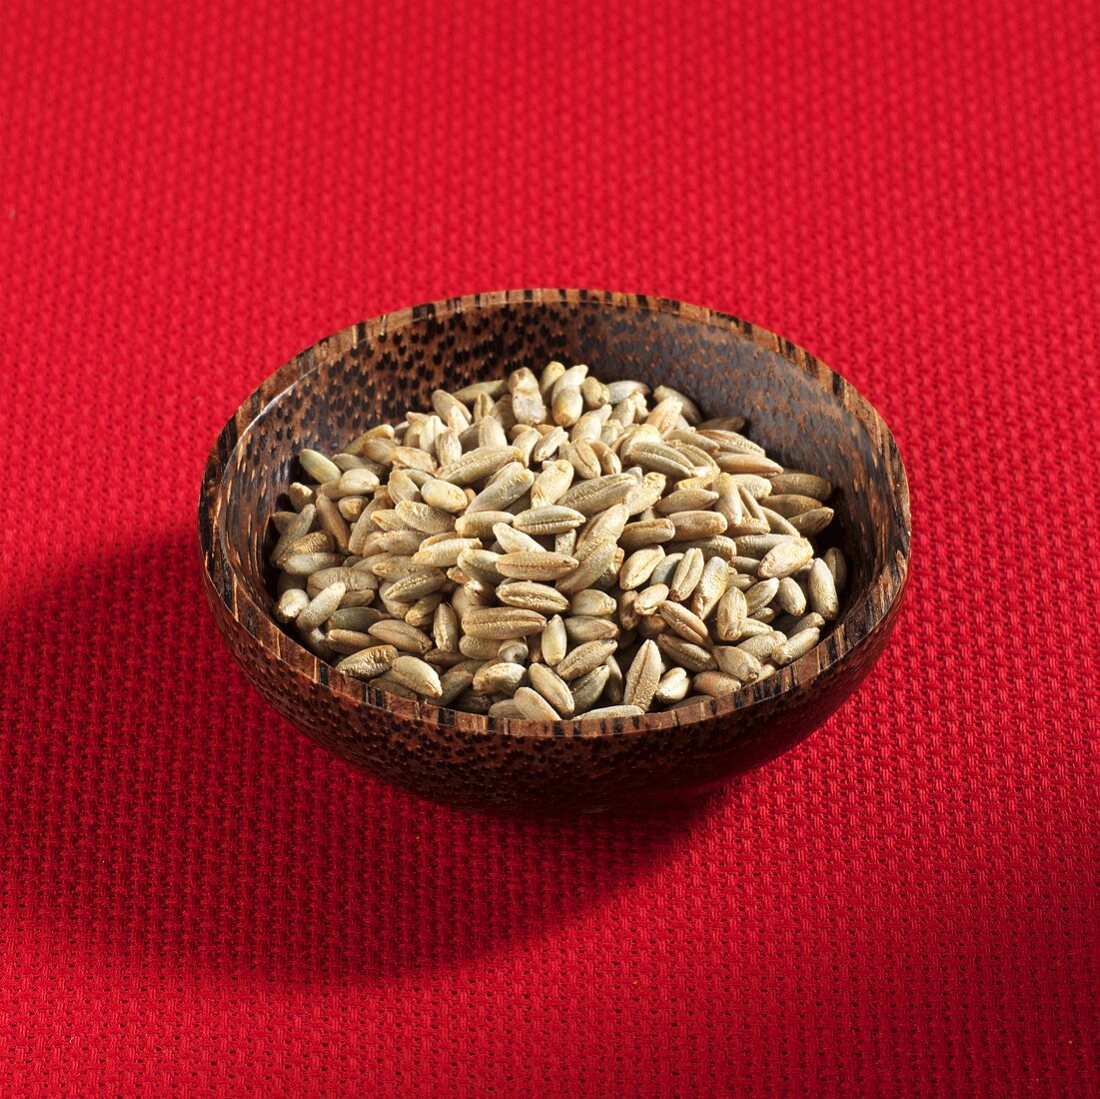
x: 556, y: 547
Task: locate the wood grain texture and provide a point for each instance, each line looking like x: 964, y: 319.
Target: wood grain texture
x: 799, y: 409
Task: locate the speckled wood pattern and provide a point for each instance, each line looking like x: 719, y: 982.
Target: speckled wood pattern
x: 801, y: 411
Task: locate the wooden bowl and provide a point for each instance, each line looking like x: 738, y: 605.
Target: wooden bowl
x: 803, y: 413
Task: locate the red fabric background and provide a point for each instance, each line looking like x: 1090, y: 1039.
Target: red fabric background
x: 195, y: 898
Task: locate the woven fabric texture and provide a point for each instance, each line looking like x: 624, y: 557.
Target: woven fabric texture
x: 195, y: 899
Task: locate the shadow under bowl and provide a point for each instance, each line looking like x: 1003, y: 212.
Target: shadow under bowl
x: 805, y: 415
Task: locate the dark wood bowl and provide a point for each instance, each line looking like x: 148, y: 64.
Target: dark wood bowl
x: 805, y: 414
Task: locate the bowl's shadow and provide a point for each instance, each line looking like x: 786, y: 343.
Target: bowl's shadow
x: 154, y: 802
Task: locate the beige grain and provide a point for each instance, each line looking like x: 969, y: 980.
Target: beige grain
x: 554, y: 641
x: 685, y: 653
x: 317, y: 467
x: 593, y: 561
x: 715, y: 684
x: 478, y: 648
x: 583, y: 658
x: 837, y: 566
x: 592, y: 602
x: 549, y: 519
x: 790, y: 598
x: 290, y: 604
x: 647, y: 532
x: 809, y: 523
x: 761, y: 646
x: 737, y: 662
x: 500, y: 677
x: 320, y: 607
x: 639, y: 566
x: 530, y: 565
x: 785, y: 559
x: 822, y: 591
x: 501, y: 623
x: 553, y: 688
x: 401, y: 636
x: 649, y: 599
x: 587, y: 689
x: 347, y: 642
x: 610, y: 713
x: 581, y: 628
x: 711, y: 587
x: 801, y: 484
x: 673, y: 686
x: 369, y: 662
x: 643, y: 676
x: 798, y: 645
x: 688, y: 573
x: 506, y: 487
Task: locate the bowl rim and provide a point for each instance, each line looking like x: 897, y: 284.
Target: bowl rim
x: 224, y: 581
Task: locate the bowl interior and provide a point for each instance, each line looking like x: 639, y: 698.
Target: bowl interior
x: 803, y: 413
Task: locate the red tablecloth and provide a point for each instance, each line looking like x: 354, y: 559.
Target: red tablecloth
x: 195, y: 898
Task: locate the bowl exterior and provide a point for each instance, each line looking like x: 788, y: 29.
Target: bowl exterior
x: 494, y: 769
